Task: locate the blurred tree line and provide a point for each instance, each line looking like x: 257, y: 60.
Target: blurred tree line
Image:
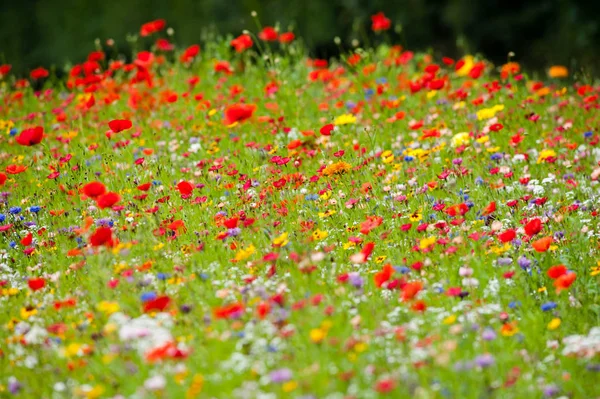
x: 540, y: 33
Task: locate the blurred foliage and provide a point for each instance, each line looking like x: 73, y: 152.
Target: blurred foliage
x: 540, y: 33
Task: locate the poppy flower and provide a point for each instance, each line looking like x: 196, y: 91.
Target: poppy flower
x: 287, y: 37
x: 39, y: 73
x: 223, y: 66
x: 238, y: 113
x: 5, y: 69
x: 27, y: 240
x: 555, y: 272
x: 383, y: 275
x: 13, y: 169
x: 185, y: 188
x: 327, y: 129
x: 268, y: 34
x: 152, y: 27
x: 507, y: 236
x: 31, y: 136
x: 94, y: 189
x: 36, y: 283
x: 190, y: 53
x: 564, y: 281
x: 101, y: 236
x: 242, y: 43
x: 157, y: 304
x: 542, y: 244
x: 107, y: 200
x: 3, y: 178
x: 533, y: 227
x: 380, y: 22
x: 228, y: 311
x: 118, y: 125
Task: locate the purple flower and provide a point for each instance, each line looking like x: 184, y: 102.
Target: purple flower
x: 504, y: 261
x: 488, y: 334
x: 485, y: 360
x: 281, y: 375
x: 14, y: 386
x: 234, y: 232
x: 524, y: 262
x: 356, y: 280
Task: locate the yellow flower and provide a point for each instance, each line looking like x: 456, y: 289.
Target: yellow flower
x: 289, y: 386
x: 416, y: 216
x: 380, y: 259
x: 387, y: 156
x: 107, y: 307
x: 195, y: 387
x: 554, y: 324
x: 318, y: 235
x: 281, y: 241
x: 466, y: 68
x: 317, y: 335
x: 243, y: 254
x: 488, y: 113
x: 450, y: 319
x: 545, y: 154
x: 327, y: 213
x: 338, y: 168
x: 344, y: 119
x: 427, y: 242
x: 558, y: 71
x: 460, y: 139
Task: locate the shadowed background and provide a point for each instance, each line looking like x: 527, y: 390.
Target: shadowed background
x: 540, y: 33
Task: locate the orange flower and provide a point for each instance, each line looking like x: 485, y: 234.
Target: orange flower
x: 542, y: 244
x: 564, y: 281
x: 558, y: 71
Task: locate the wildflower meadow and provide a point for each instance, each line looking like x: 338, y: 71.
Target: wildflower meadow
x: 241, y: 220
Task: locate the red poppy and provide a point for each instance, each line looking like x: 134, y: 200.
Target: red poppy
x: 13, y: 169
x: 152, y: 27
x: 157, y: 304
x: 263, y: 309
x: 327, y: 129
x: 2, y: 179
x: 268, y: 34
x: 555, y: 272
x: 27, y: 240
x: 31, y: 136
x: 564, y: 281
x: 39, y: 73
x: 380, y: 22
x: 542, y: 245
x: 36, y: 283
x: 228, y: 311
x: 507, y: 236
x: 107, y: 200
x: 223, y: 66
x: 185, y: 188
x: 238, y: 113
x: 164, y: 45
x: 410, y: 290
x: 5, y: 69
x: 144, y: 187
x: 533, y: 227
x: 94, y: 189
x: 190, y: 53
x: 287, y: 37
x: 242, y: 43
x: 383, y: 275
x: 102, y: 236
x: 118, y: 125
x: 385, y: 386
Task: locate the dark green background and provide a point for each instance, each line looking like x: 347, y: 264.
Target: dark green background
x: 541, y: 33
